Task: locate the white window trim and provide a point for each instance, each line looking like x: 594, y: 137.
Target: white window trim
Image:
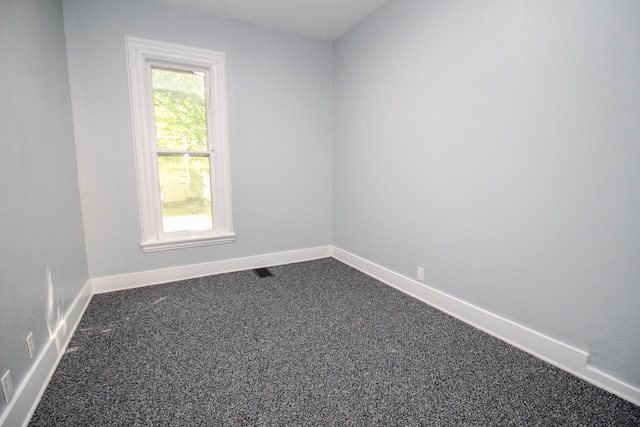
x: 141, y: 55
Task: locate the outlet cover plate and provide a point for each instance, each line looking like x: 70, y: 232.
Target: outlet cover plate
x: 31, y: 345
x: 7, y: 386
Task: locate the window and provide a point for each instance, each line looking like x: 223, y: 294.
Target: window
x: 179, y: 113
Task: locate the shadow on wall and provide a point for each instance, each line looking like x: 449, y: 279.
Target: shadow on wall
x: 55, y: 313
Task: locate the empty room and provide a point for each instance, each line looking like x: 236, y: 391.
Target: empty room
x: 320, y: 212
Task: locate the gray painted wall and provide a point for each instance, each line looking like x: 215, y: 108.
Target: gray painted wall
x: 497, y: 145
x: 42, y: 255
x: 280, y: 132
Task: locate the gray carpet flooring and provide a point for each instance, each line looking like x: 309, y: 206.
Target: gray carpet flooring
x: 319, y: 343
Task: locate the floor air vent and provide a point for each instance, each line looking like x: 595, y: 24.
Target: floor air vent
x: 262, y: 272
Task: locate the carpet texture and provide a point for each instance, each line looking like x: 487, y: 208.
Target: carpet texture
x: 319, y: 343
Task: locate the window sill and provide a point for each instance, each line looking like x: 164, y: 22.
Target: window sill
x: 186, y: 242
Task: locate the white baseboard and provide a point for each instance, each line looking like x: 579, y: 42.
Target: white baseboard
x: 32, y: 387
x: 172, y: 274
x: 557, y: 353
x: 611, y: 384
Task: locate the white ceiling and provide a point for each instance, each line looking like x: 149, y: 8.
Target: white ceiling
x: 322, y: 19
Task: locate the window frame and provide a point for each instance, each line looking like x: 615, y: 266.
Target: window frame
x: 142, y: 55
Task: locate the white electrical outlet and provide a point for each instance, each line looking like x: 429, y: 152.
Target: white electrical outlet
x: 31, y: 345
x: 421, y: 274
x: 7, y: 386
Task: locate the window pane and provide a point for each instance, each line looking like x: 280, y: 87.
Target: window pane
x: 180, y: 110
x: 185, y: 193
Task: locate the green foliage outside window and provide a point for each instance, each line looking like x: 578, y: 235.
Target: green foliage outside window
x: 181, y: 126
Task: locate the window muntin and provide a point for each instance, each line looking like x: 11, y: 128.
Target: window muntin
x: 178, y: 98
